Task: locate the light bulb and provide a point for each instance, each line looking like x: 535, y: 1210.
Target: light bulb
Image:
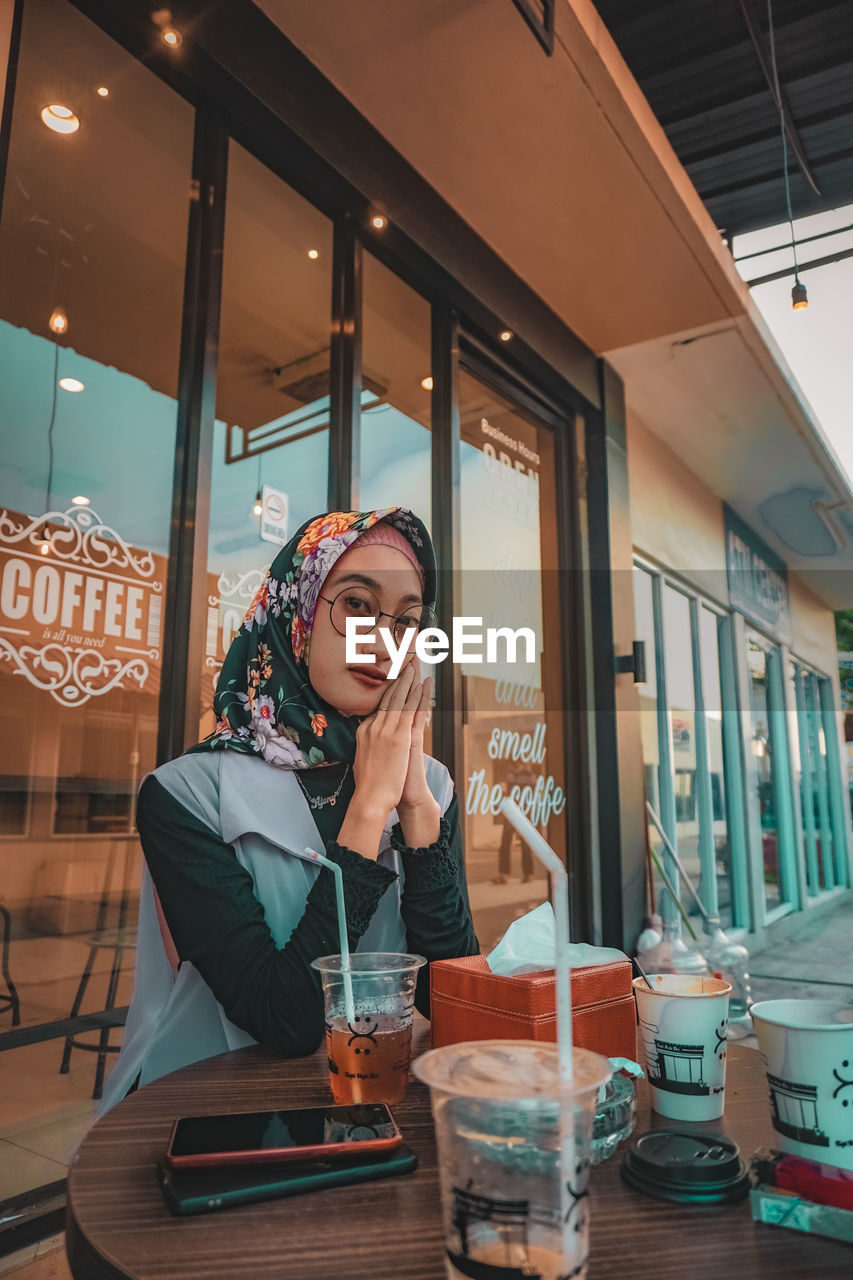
x: 80, y: 501
x: 378, y: 222
x: 58, y: 321
x: 506, y: 335
x: 313, y: 254
x: 44, y: 549
x: 60, y: 119
x: 426, y: 383
x: 172, y: 37
x: 258, y: 508
x: 103, y: 91
x: 72, y: 384
x: 799, y: 297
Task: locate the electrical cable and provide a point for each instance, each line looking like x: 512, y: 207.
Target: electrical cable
x: 781, y: 107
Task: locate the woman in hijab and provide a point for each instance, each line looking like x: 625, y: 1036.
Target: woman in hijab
x: 308, y: 751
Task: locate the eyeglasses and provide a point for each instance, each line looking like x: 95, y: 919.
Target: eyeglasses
x: 359, y: 602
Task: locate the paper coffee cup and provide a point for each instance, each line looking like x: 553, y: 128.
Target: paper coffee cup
x: 807, y: 1047
x: 683, y: 1021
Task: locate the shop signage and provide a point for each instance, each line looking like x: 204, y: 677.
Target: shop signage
x: 275, y: 504
x: 757, y: 578
x: 85, y: 617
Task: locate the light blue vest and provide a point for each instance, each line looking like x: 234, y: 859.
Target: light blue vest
x: 261, y: 810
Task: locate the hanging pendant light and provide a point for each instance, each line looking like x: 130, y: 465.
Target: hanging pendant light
x: 799, y: 296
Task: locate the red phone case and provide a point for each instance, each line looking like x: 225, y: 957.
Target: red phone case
x: 282, y: 1155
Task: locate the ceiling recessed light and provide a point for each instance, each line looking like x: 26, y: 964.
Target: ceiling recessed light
x: 506, y: 335
x: 103, y: 91
x: 378, y: 222
x: 71, y: 384
x: 172, y: 37
x: 313, y: 254
x: 58, y: 321
x: 426, y: 383
x: 60, y: 119
x: 80, y: 501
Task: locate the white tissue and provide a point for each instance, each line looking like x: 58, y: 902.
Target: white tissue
x: 528, y: 945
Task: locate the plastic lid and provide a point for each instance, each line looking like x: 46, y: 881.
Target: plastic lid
x: 686, y: 1167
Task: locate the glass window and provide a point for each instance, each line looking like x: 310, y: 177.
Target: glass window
x: 92, y: 251
x: 767, y: 737
x: 690, y: 786
x: 512, y: 711
x: 812, y: 780
x: 271, y: 436
x: 396, y: 440
x: 681, y: 709
x: 720, y: 844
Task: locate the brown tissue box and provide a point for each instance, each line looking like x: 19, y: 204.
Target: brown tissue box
x: 469, y: 1002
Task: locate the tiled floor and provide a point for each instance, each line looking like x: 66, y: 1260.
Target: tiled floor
x: 43, y: 1261
x: 43, y: 1115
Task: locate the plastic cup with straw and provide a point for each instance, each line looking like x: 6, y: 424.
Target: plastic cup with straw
x: 560, y: 902
x: 386, y: 985
x: 513, y: 1122
x: 346, y: 966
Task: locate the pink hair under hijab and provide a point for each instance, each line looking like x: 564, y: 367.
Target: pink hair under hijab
x: 383, y: 534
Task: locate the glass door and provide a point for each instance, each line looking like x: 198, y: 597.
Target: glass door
x: 770, y: 774
x: 513, y: 703
x: 92, y: 261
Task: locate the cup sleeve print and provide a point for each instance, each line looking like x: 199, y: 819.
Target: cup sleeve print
x: 435, y: 906
x: 219, y: 926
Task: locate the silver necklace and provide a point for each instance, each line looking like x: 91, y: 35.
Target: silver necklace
x: 319, y: 802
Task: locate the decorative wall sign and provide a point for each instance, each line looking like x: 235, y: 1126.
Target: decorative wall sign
x: 229, y: 596
x: 757, y: 578
x: 84, y: 618
x: 275, y: 507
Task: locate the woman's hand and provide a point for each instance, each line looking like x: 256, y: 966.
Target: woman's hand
x: 417, y: 808
x: 382, y: 751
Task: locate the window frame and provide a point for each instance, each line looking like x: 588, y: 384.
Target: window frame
x: 743, y: 915
x: 835, y: 816
x: 789, y: 863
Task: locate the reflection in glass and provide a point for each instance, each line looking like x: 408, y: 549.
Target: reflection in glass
x: 396, y: 440
x: 92, y: 250
x: 272, y: 393
x: 768, y: 759
x: 681, y: 708
x: 511, y: 746
x: 811, y: 777
x: 718, y: 838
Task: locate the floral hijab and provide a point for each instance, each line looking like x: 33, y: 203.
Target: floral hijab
x: 264, y: 701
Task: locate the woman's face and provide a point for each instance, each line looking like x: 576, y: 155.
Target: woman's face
x: 355, y: 688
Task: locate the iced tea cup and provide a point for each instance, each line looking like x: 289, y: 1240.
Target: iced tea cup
x: 683, y: 1022
x: 370, y: 1044
x: 502, y: 1113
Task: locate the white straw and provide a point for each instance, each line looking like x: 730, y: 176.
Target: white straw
x: 346, y: 969
x: 560, y: 902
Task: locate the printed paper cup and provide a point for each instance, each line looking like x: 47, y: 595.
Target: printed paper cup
x: 683, y: 1021
x: 807, y: 1047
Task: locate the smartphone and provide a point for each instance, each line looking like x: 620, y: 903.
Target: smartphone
x: 299, y: 1133
x: 206, y: 1190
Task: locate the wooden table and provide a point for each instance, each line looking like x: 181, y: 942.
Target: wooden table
x: 118, y: 1224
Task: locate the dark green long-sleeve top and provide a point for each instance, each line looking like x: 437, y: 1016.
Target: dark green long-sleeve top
x: 218, y: 923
